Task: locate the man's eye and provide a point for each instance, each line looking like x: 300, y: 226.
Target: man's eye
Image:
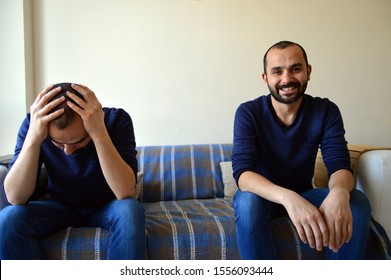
x: 276, y: 72
x: 297, y: 69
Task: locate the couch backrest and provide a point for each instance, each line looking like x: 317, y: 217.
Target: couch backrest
x: 321, y: 178
x: 182, y: 171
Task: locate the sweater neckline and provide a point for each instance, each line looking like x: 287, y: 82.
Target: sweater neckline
x: 277, y: 119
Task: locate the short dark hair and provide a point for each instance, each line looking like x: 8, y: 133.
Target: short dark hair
x: 280, y: 46
x: 68, y: 116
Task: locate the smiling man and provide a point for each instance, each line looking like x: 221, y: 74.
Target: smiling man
x: 276, y: 139
x: 90, y: 157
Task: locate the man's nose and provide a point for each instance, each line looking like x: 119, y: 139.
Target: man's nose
x: 69, y: 149
x: 286, y: 76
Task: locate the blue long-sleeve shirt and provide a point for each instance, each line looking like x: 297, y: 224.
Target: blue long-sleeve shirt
x: 77, y: 179
x: 286, y: 154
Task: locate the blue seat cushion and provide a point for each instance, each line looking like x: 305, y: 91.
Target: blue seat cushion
x: 200, y: 229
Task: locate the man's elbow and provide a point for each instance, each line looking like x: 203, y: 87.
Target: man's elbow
x: 125, y: 194
x: 15, y: 200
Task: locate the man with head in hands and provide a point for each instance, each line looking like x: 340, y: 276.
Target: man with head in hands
x: 90, y: 159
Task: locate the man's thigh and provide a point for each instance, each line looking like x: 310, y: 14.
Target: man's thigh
x: 41, y: 217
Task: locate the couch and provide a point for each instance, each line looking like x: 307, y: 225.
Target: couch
x: 186, y: 191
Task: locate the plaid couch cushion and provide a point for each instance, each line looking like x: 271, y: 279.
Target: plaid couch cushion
x: 191, y: 229
x: 72, y: 243
x: 196, y: 229
x: 186, y: 229
x: 182, y: 172
x: 197, y: 223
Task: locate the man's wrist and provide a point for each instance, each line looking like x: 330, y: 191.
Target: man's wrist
x: 340, y: 191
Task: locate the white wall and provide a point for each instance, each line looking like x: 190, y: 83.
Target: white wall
x: 181, y: 67
x: 12, y: 73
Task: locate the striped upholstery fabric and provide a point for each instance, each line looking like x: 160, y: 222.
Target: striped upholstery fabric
x: 76, y: 244
x: 182, y: 172
x: 196, y: 229
x: 187, y: 216
x: 191, y: 229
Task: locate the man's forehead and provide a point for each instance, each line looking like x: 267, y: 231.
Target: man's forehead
x: 73, y: 132
x: 292, y: 55
x: 70, y: 141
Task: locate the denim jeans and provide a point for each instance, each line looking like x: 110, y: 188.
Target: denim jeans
x: 253, y: 215
x: 21, y: 227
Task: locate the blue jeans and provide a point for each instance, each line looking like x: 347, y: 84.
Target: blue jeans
x: 253, y: 215
x: 21, y: 227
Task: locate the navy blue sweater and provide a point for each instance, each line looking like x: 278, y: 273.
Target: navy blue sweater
x: 77, y: 179
x: 286, y: 154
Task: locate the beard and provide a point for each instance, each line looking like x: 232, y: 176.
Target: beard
x: 288, y: 99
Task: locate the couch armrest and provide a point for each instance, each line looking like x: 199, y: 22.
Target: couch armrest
x: 3, y: 172
x: 374, y: 179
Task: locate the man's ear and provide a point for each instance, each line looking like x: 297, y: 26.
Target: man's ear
x: 309, y: 71
x: 264, y: 77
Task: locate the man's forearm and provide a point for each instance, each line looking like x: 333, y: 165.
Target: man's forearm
x: 20, y: 181
x: 118, y: 174
x: 261, y: 186
x: 342, y: 180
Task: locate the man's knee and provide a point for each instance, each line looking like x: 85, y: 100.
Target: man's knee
x: 129, y: 208
x: 249, y: 206
x: 246, y: 201
x: 10, y: 216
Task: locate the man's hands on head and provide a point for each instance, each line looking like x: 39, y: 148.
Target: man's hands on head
x: 117, y: 172
x: 90, y: 110
x: 21, y: 179
x: 41, y: 113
